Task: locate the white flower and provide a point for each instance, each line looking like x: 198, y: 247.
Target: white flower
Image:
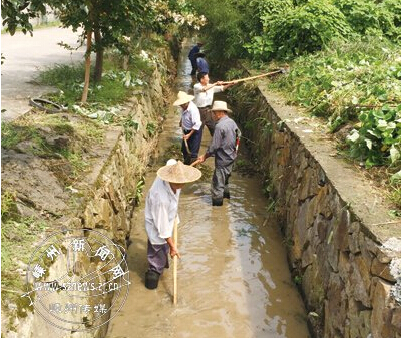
x: 144, y: 55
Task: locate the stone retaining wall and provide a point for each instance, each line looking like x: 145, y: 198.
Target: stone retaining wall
x: 109, y: 192
x: 340, y: 253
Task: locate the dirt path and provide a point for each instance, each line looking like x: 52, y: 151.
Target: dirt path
x: 24, y: 57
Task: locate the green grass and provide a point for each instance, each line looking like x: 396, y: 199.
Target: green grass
x: 355, y: 83
x: 69, y: 79
x: 36, y: 129
x: 41, y: 26
x: 8, y: 206
x: 13, y: 134
x: 17, y: 237
x: 115, y: 86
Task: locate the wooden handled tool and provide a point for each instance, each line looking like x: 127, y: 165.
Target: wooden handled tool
x: 186, y: 145
x: 281, y: 70
x: 195, y: 163
x: 175, y: 263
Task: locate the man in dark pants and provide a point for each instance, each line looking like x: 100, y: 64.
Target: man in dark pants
x: 192, y: 57
x: 224, y: 148
x: 190, y: 123
x: 160, y: 212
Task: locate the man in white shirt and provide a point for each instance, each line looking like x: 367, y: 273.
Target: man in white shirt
x: 190, y: 123
x: 161, y: 206
x: 204, y: 97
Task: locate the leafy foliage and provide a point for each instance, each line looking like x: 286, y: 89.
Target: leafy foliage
x: 16, y: 13
x: 168, y: 16
x: 113, y: 23
x: 299, y: 30
x: 308, y: 28
x: 378, y: 140
x: 356, y: 81
x: 367, y: 17
x: 267, y: 29
x: 226, y: 27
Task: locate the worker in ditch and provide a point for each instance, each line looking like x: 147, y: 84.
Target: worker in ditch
x: 224, y: 147
x: 203, y: 98
x: 161, y: 206
x: 192, y: 56
x: 190, y: 123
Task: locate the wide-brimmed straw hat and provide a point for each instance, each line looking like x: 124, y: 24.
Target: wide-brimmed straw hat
x: 221, y: 105
x: 178, y: 173
x: 182, y: 98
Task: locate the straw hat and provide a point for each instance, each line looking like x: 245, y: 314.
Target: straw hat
x: 221, y: 105
x: 178, y: 173
x: 182, y: 98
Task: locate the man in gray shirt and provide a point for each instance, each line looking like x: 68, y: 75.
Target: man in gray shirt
x: 224, y: 147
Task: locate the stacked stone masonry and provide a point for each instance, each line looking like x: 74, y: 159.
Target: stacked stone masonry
x: 345, y: 271
x: 109, y: 191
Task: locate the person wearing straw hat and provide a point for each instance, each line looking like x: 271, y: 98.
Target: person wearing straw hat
x: 161, y: 206
x: 190, y: 123
x: 224, y: 147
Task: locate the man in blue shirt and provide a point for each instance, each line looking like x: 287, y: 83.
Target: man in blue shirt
x: 224, y: 148
x: 192, y: 57
x: 191, y: 125
x: 202, y: 64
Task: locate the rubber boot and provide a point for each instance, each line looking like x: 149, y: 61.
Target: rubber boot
x: 187, y: 159
x: 151, y: 279
x: 217, y: 202
x: 226, y: 194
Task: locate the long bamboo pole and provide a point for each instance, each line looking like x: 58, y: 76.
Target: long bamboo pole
x: 175, y: 263
x: 223, y: 83
x: 282, y: 70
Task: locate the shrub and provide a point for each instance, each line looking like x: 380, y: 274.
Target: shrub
x: 377, y: 140
x: 360, y: 14
x: 308, y: 28
x: 299, y: 30
x: 367, y: 17
x: 356, y: 83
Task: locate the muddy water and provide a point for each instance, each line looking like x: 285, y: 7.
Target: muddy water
x: 233, y: 278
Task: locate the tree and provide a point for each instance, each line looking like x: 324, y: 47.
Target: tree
x: 108, y: 21
x: 16, y: 13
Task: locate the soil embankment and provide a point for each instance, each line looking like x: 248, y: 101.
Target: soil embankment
x: 62, y: 172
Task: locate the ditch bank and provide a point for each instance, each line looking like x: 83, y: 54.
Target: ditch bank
x: 343, y: 246
x: 41, y: 178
